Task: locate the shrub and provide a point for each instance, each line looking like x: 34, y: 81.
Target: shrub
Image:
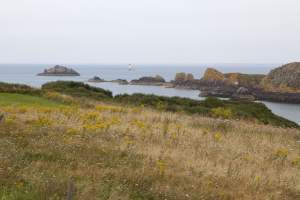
x: 18, y: 88
x: 77, y: 89
x: 220, y: 112
x: 213, y: 102
x: 59, y: 97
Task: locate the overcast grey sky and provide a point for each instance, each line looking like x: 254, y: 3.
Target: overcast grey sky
x: 149, y: 31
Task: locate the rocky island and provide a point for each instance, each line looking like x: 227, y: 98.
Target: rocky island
x: 148, y: 80
x: 59, y: 70
x: 96, y: 79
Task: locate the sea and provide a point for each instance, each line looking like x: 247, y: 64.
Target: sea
x: 27, y: 74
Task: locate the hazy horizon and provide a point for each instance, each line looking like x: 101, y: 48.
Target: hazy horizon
x: 149, y: 32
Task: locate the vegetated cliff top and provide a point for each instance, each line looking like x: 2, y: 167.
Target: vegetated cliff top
x: 285, y: 78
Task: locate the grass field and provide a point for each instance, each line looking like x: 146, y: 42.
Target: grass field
x: 10, y: 99
x: 116, y: 152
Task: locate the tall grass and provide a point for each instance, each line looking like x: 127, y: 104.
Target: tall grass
x: 127, y: 152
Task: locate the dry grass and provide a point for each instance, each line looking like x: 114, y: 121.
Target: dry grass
x: 113, y: 152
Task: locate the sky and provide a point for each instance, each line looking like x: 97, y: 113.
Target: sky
x: 149, y: 31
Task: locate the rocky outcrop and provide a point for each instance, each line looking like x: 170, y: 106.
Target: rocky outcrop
x: 229, y: 85
x: 283, y: 79
x: 148, y: 80
x: 183, y: 77
x: 243, y: 94
x: 59, y: 71
x: 280, y: 85
x: 284, y: 97
x: 213, y: 75
x: 96, y: 79
x: 236, y: 79
x: 120, y: 81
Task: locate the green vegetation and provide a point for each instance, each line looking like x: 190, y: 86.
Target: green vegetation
x: 11, y: 99
x: 210, y: 107
x: 220, y: 112
x: 77, y: 89
x: 115, y: 151
x: 67, y: 92
x: 18, y: 88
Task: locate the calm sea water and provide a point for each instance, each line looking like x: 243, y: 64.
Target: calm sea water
x: 26, y: 74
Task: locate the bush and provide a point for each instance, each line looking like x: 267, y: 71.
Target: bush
x: 213, y: 102
x: 211, y: 106
x: 220, y: 112
x: 77, y: 89
x: 18, y: 88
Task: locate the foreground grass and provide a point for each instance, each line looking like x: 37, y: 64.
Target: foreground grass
x: 113, y: 152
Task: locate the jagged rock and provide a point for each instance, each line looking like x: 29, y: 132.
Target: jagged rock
x: 243, y: 94
x: 96, y: 79
x: 243, y: 91
x: 58, y: 70
x: 148, y: 80
x: 283, y: 79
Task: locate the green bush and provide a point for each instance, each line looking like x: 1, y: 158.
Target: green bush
x: 220, y: 112
x: 77, y: 89
x: 211, y: 106
x: 213, y: 102
x: 18, y: 88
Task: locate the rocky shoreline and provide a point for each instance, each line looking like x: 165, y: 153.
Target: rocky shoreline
x: 280, y: 85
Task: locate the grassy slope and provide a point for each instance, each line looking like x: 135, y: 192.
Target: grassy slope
x: 10, y: 99
x: 113, y: 152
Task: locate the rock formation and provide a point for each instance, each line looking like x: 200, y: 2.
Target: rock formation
x: 182, y: 77
x: 280, y: 85
x: 96, y: 79
x: 283, y: 79
x: 120, y: 81
x: 243, y: 94
x: 59, y: 71
x: 148, y: 80
x: 234, y: 79
x: 213, y: 75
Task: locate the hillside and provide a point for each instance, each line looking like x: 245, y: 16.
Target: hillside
x: 107, y: 151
